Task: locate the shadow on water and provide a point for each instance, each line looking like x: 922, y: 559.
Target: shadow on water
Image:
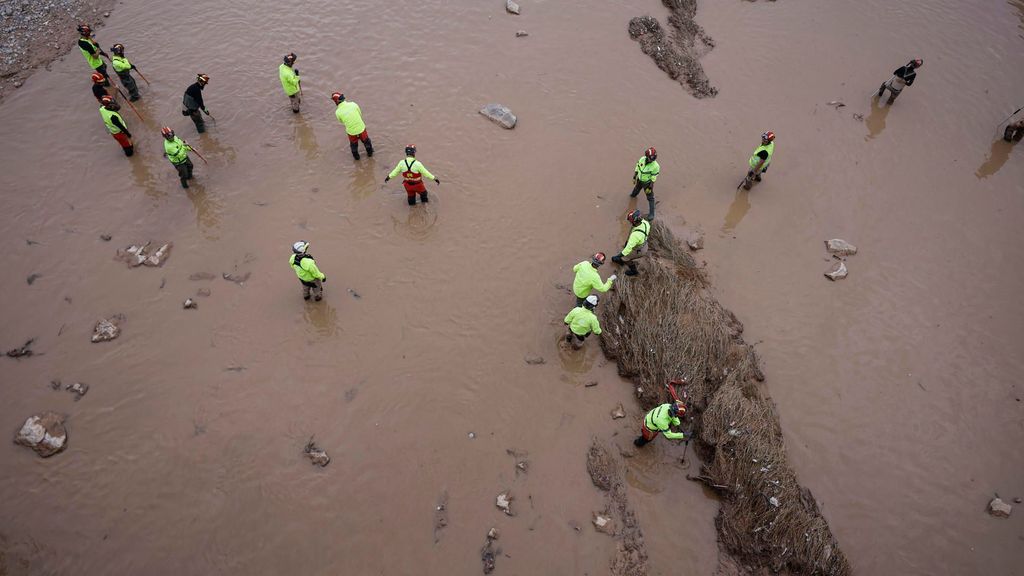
x: 208, y: 211
x: 576, y: 361
x: 144, y: 178
x: 997, y: 156
x: 737, y: 210
x: 305, y: 138
x: 876, y: 120
x: 321, y: 318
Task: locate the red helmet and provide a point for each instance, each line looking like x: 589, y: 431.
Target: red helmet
x: 676, y: 409
x: 117, y: 49
x: 166, y: 132
x: 84, y: 29
x: 768, y: 136
x: 337, y: 97
x: 598, y: 259
x: 634, y: 217
x: 98, y: 78
x: 202, y: 79
x: 410, y: 150
x: 651, y: 154
x: 107, y: 101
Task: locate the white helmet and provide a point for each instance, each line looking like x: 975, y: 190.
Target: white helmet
x: 300, y: 247
x: 592, y: 300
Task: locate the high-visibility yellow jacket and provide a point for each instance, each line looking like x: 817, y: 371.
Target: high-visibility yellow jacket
x: 582, y: 321
x: 349, y: 114
x: 588, y: 279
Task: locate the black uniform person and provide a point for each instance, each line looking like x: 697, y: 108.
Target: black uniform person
x: 902, y: 77
x: 93, y: 53
x: 192, y: 102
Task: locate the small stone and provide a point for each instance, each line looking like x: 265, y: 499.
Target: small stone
x: 999, y: 509
x: 106, y: 237
x: 837, y: 272
x: 521, y: 33
x: 190, y: 303
x: 504, y: 502
x: 236, y: 278
x: 774, y: 501
x: 695, y: 240
x: 159, y: 257
x: 618, y: 412
x: 590, y: 384
x: 840, y: 247
x: 602, y: 523
x: 472, y: 435
x: 500, y: 114
x: 18, y: 83
x: 106, y: 14
x: 511, y: 7
x: 43, y: 433
x: 534, y: 360
x: 315, y: 454
x: 78, y: 389
x: 1018, y: 500
x: 106, y: 330
x: 493, y: 534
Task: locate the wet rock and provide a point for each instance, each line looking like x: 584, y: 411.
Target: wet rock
x: 159, y: 257
x: 78, y: 389
x: 857, y: 116
x: 32, y: 278
x: 511, y: 7
x: 354, y: 294
x: 603, y: 523
x: 504, y: 502
x: 202, y: 276
x: 18, y: 83
x: 534, y: 360
x: 25, y: 350
x: 493, y: 534
x: 106, y: 237
x: 204, y: 292
x: 838, y: 272
x: 190, y: 304
x: 521, y: 33
x: 440, y: 515
x: 43, y: 433
x: 500, y: 114
x: 618, y: 412
x: 840, y: 247
x: 695, y: 240
x: 487, y: 555
x: 590, y: 384
x: 237, y: 278
x: 107, y: 329
x: 315, y: 454
x: 472, y: 435
x: 999, y: 509
x: 1018, y: 500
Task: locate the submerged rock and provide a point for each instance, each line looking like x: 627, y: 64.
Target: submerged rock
x: 315, y: 454
x: 840, y: 247
x: 190, y: 303
x: 43, y: 433
x: 838, y: 272
x: 159, y: 257
x: 999, y: 509
x: 504, y: 502
x: 534, y: 360
x: 618, y: 412
x: 78, y: 389
x: 602, y: 523
x: 512, y: 7
x: 695, y: 240
x: 138, y: 255
x: 107, y: 329
x: 500, y: 115
x: 521, y: 33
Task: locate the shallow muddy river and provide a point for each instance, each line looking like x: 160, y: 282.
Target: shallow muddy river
x: 898, y: 388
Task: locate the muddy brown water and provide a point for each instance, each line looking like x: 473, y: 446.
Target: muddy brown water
x: 897, y: 387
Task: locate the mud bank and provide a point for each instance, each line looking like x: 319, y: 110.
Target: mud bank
x: 34, y: 33
x: 666, y: 324
x: 678, y: 53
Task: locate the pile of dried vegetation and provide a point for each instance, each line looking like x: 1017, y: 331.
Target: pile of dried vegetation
x: 666, y: 324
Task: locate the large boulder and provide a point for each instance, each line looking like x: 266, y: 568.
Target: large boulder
x: 999, y: 509
x: 500, y: 115
x: 43, y: 433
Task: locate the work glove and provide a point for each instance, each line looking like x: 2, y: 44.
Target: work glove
x: 386, y: 178
x: 613, y: 277
x: 438, y: 180
x: 207, y: 112
x: 296, y: 71
x: 324, y: 279
x: 617, y: 259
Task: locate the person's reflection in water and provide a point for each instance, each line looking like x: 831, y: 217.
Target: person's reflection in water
x: 737, y: 210
x: 208, y: 210
x: 876, y: 120
x: 305, y: 138
x: 364, y: 182
x: 322, y: 318
x: 143, y: 178
x: 997, y: 156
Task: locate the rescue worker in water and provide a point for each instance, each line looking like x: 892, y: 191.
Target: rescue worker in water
x: 760, y: 159
x: 588, y: 279
x: 93, y: 53
x: 116, y: 125
x: 582, y: 322
x: 311, y: 278
x: 660, y: 421
x: 413, y: 171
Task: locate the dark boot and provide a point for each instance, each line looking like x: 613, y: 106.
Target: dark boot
x: 650, y: 206
x: 881, y: 90
x: 424, y: 197
x: 892, y: 98
x: 184, y: 183
x: 757, y: 178
x: 355, y: 149
x: 636, y: 188
x: 640, y: 442
x: 632, y: 271
x: 412, y: 200
x: 369, y: 148
x: 129, y: 150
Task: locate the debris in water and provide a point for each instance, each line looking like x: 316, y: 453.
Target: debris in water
x: 521, y: 33
x: 603, y: 523
x: 32, y: 278
x: 858, y: 116
x: 31, y: 242
x: 354, y: 294
x: 78, y: 388
x: 43, y: 433
x: 504, y: 502
x: 840, y: 247
x: 237, y: 278
x: 234, y: 368
x: 315, y: 454
x: 512, y: 7
x: 677, y: 53
x: 472, y: 435
x: 106, y: 330
x: 500, y: 115
x: 440, y: 515
x: 55, y: 384
x: 137, y: 255
x: 493, y: 534
x: 487, y: 556
x: 190, y: 303
x: 106, y: 237
x: 999, y: 509
x: 618, y: 412
x: 590, y: 384
x: 534, y: 360
x: 837, y: 104
x: 25, y: 350
x: 202, y: 276
x: 695, y: 240
x: 838, y: 272
x: 204, y: 292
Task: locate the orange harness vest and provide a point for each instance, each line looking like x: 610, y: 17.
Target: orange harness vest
x: 409, y: 175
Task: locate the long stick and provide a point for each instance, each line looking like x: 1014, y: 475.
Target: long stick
x: 129, y: 103
x: 1010, y: 116
x: 141, y: 75
x: 197, y: 153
